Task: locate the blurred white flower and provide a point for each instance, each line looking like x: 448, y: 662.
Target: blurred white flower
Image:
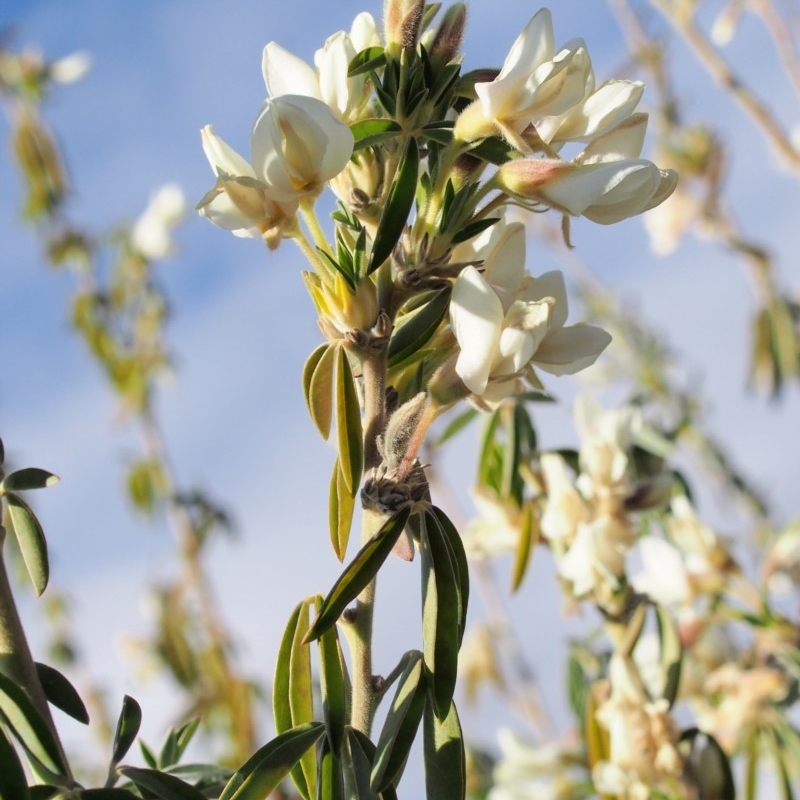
x: 71, y: 68
x: 506, y: 321
x: 527, y: 770
x: 664, y: 578
x: 285, y: 73
x: 496, y: 529
x: 150, y: 235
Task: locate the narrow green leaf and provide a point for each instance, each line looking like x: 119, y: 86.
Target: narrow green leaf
x: 161, y: 784
x: 27, y: 725
x: 341, y: 506
x: 148, y: 755
x: 107, y: 794
x: 456, y: 425
x: 367, y: 60
x: 330, y: 783
x: 461, y: 563
x: 522, y: 555
x: 369, y: 132
x: 333, y: 687
x: 348, y: 423
x: 13, y: 784
x: 472, y: 229
x: 28, y: 478
x: 670, y: 654
x: 61, y: 693
x: 398, y: 205
x: 362, y: 756
x: 400, y: 728
x: 441, y: 613
x: 494, y: 150
x: 44, y: 792
x: 292, y: 693
x: 318, y: 387
x: 208, y: 778
x: 415, y: 330
x: 130, y: 719
x: 708, y: 764
x: 358, y: 573
x: 445, y: 760
x: 269, y: 765
x: 185, y: 734
x: 31, y: 541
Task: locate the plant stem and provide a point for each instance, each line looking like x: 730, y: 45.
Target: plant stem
x: 16, y: 661
x: 365, y: 692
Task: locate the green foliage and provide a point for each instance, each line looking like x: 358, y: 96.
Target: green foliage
x: 61, y: 693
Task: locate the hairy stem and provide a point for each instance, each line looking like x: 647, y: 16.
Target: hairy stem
x: 365, y: 692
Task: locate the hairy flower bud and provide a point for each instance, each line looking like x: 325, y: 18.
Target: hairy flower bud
x: 402, y: 20
x: 447, y: 40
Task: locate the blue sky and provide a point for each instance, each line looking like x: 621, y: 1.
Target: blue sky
x: 243, y: 326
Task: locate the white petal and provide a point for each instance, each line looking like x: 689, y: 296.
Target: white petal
x: 332, y: 62
x: 364, y: 32
x: 221, y: 211
x: 286, y: 73
x: 222, y: 157
x: 533, y: 46
x: 571, y: 349
x: 623, y: 142
x: 664, y: 577
x: 476, y: 316
x: 504, y: 266
x: 631, y: 195
x: 550, y: 284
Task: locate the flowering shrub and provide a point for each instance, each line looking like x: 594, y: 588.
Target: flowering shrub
x: 427, y: 308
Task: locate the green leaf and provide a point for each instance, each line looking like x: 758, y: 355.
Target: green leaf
x: 330, y: 784
x: 670, y: 654
x: 61, y: 693
x: 708, y: 764
x: 400, y: 727
x: 292, y: 693
x: 494, y: 150
x: 107, y: 794
x: 13, y: 784
x: 148, y: 755
x: 369, y: 132
x: 130, y: 719
x: 28, y: 478
x: 445, y: 760
x: 341, y: 505
x: 461, y: 563
x: 206, y: 777
x: 416, y: 328
x: 264, y: 770
x: 348, y: 423
x: 358, y: 573
x: 525, y: 543
x: 398, y: 205
x: 333, y: 687
x: 318, y: 387
x: 44, y: 792
x: 362, y: 756
x: 472, y: 229
x: 161, y: 784
x: 456, y: 425
x: 441, y: 613
x: 367, y: 60
x: 31, y: 541
x: 27, y: 725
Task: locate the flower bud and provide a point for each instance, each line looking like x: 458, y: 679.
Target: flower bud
x: 339, y: 306
x: 402, y: 20
x: 447, y: 41
x: 360, y: 185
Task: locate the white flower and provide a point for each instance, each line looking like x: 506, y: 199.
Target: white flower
x: 240, y: 202
x: 285, y: 73
x: 505, y: 320
x: 150, y: 235
x: 298, y: 144
x: 595, y: 561
x: 536, y: 81
x: 664, y: 578
x: 601, y: 110
x: 607, y: 182
x: 71, y: 68
x: 497, y: 527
